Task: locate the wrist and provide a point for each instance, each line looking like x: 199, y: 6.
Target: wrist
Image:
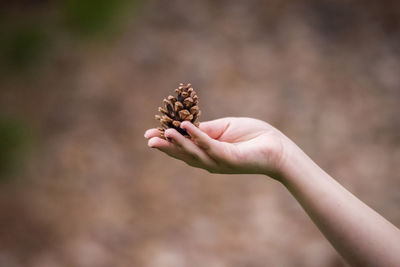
x: 294, y: 165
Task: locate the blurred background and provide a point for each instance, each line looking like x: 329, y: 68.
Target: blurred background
x: 81, y: 80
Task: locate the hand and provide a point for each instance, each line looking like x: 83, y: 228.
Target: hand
x: 227, y: 145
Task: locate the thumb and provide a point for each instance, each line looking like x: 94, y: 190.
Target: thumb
x: 215, y: 128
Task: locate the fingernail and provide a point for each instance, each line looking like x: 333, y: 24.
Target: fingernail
x: 168, y: 132
x: 149, y: 143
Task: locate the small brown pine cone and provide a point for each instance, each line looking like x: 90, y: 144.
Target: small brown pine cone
x: 182, y: 107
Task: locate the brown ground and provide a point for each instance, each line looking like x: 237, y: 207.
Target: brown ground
x: 93, y: 193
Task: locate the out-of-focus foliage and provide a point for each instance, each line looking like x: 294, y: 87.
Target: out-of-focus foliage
x: 91, y: 16
x: 14, y: 141
x: 22, y: 47
x: 25, y: 40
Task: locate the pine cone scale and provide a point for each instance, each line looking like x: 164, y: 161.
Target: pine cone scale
x: 183, y: 107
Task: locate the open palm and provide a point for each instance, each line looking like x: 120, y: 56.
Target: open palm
x: 227, y: 145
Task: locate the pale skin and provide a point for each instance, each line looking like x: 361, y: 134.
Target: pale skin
x: 245, y: 145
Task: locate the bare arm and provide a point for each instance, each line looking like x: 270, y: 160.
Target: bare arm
x: 244, y: 145
x: 358, y: 233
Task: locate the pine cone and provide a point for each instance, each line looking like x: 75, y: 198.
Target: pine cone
x: 183, y: 107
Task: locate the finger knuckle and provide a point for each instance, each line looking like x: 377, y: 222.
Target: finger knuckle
x: 189, y: 163
x: 211, y: 170
x: 194, y: 156
x: 178, y: 144
x: 204, y: 145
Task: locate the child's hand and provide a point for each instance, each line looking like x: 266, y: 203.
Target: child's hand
x: 227, y: 145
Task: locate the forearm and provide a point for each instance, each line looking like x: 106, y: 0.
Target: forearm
x: 358, y: 233
x: 237, y: 145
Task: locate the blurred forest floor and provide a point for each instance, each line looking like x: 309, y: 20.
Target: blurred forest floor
x: 81, y: 81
